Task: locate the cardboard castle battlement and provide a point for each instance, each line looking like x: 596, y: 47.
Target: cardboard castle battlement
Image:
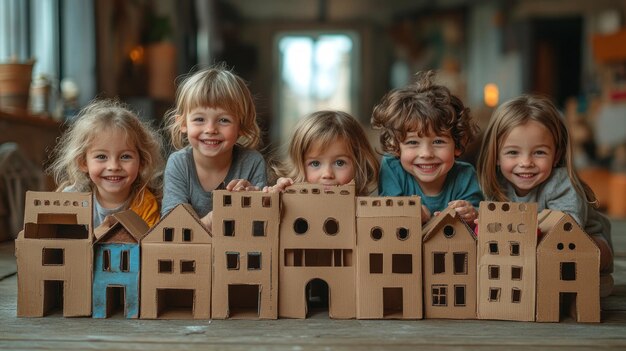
x: 279, y: 255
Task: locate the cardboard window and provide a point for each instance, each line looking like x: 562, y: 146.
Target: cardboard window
x: 45, y: 228
x: 568, y: 271
x: 412, y: 202
x: 315, y: 191
x: 106, y: 260
x: 376, y: 203
x: 75, y: 203
x: 516, y: 295
x: 459, y: 295
x: 166, y: 266
x: 37, y: 202
x: 294, y: 257
x: 559, y: 246
x: 494, y: 227
x: 331, y: 226
x: 318, y: 257
x: 232, y: 260
x: 516, y: 273
x: 400, y: 203
x: 402, y: 233
x: 402, y: 263
x: 491, y: 206
x: 493, y: 247
x: 347, y: 257
x: 440, y: 295
x: 337, y: 258
x: 363, y: 203
x: 506, y: 207
x: 168, y: 234
x: 245, y: 201
x: 229, y: 227
x: 67, y: 203
x: 344, y: 192
x: 494, y: 272
x: 125, y: 261
x: 515, y: 248
x: 266, y: 201
x: 254, y: 260
x: 376, y: 263
x: 448, y: 231
x: 439, y: 262
x: 494, y: 294
x: 300, y: 226
x: 258, y: 228
x: 187, y: 237
x: 567, y: 226
x: 46, y: 202
x: 571, y: 246
x: 53, y: 257
x: 389, y: 203
x: 57, y: 203
x: 187, y: 266
x: 460, y: 262
x: 227, y: 200
x: 376, y: 233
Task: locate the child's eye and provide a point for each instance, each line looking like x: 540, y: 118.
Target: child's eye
x: 197, y: 119
x: 100, y: 157
x: 511, y: 152
x: 340, y: 163
x: 314, y: 164
x: 411, y: 142
x: 224, y: 121
x: 541, y: 152
x: 126, y: 157
x: 439, y: 142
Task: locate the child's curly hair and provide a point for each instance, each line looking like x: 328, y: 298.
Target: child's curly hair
x: 423, y: 107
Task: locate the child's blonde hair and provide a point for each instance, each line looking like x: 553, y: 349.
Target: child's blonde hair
x: 98, y: 116
x: 423, y: 107
x: 215, y: 87
x: 514, y: 113
x: 324, y: 128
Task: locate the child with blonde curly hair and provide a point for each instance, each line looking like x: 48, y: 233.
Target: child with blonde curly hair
x: 109, y: 151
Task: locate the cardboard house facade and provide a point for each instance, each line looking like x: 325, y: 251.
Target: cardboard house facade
x: 389, y: 258
x: 176, y: 263
x: 317, y: 247
x: 507, y: 247
x: 449, y: 267
x: 568, y: 262
x: 54, y: 255
x: 116, y: 268
x: 245, y: 254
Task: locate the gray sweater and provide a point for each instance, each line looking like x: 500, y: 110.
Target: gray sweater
x: 181, y: 183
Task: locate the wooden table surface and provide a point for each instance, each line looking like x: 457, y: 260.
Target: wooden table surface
x: 316, y: 333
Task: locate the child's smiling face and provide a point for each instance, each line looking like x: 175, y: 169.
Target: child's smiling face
x: 212, y: 132
x: 527, y: 156
x: 428, y: 158
x: 113, y: 166
x: 330, y: 164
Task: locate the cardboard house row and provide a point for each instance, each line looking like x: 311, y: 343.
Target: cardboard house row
x: 279, y: 255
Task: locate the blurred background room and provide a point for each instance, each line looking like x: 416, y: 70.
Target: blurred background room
x: 300, y: 56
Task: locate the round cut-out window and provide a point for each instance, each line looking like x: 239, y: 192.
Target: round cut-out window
x: 376, y: 233
x: 300, y: 226
x: 331, y: 226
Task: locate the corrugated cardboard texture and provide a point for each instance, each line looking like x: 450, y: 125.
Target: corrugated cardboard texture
x: 449, y: 268
x: 507, y: 246
x: 568, y: 262
x: 317, y: 241
x: 389, y: 258
x: 54, y: 255
x: 176, y: 263
x: 245, y: 249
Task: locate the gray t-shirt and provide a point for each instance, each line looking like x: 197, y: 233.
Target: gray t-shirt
x: 558, y: 193
x: 181, y: 183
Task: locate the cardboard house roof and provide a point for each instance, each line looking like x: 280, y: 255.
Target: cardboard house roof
x: 435, y: 223
x: 129, y: 220
x: 182, y: 213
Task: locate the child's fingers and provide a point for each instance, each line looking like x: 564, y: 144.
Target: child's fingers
x: 238, y: 185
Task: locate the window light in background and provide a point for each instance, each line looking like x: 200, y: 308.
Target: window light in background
x: 492, y: 95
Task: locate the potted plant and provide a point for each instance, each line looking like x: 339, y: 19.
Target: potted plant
x: 15, y: 78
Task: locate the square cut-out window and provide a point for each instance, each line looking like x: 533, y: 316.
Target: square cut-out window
x: 258, y: 228
x: 166, y: 266
x: 515, y: 249
x: 53, y: 257
x: 187, y: 266
x: 229, y: 227
x: 187, y: 235
x: 402, y: 263
x: 494, y: 272
x: 568, y: 271
x: 460, y: 262
x: 232, y: 260
x: 168, y: 234
x: 227, y: 200
x: 376, y: 263
x: 516, y: 273
x: 266, y: 201
x: 246, y: 201
x: 516, y: 295
x: 493, y: 248
x: 254, y: 260
x: 494, y: 294
x: 439, y: 262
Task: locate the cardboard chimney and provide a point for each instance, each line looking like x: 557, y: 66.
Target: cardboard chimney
x: 449, y: 267
x: 317, y: 248
x: 54, y: 255
x: 568, y: 262
x: 245, y: 252
x: 389, y: 258
x: 507, y: 246
x: 116, y: 270
x: 176, y: 267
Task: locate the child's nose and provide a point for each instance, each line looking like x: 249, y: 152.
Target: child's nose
x: 426, y: 151
x: 211, y: 127
x: 526, y: 161
x: 113, y: 164
x: 327, y: 173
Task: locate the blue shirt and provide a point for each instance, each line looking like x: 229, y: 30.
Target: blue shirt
x: 461, y: 184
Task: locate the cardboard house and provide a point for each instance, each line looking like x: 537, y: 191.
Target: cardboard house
x: 116, y: 268
x: 54, y: 255
x: 176, y: 262
x: 389, y: 258
x: 507, y: 246
x: 245, y: 254
x: 568, y: 262
x: 449, y: 267
x: 317, y: 245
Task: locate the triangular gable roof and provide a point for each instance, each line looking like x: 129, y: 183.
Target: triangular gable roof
x: 550, y: 224
x: 134, y: 225
x: 435, y: 223
x: 180, y: 210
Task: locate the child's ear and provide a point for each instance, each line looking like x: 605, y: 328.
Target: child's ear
x: 457, y: 152
x: 82, y: 165
x: 183, y: 123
